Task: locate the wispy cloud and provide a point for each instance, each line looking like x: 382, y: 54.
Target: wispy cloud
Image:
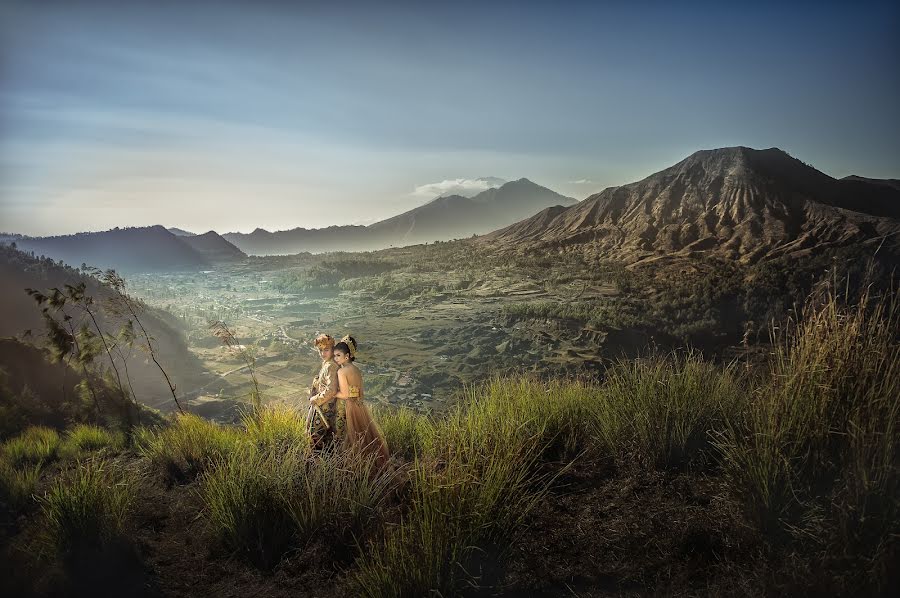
x: 582, y: 182
x: 464, y: 187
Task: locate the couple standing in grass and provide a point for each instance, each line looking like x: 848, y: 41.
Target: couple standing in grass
x: 340, y: 380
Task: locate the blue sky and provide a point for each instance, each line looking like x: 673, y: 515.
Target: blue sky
x: 230, y: 116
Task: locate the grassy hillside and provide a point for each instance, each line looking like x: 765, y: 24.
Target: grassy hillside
x: 672, y: 476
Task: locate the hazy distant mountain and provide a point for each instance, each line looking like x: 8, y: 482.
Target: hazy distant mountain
x: 214, y: 248
x: 297, y: 240
x: 441, y: 219
x: 180, y: 232
x: 146, y: 249
x: 737, y: 202
x: 457, y: 217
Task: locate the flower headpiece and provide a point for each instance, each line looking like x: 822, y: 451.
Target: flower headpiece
x: 351, y: 343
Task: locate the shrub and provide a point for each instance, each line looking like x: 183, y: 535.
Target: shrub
x: 87, y: 506
x: 35, y: 445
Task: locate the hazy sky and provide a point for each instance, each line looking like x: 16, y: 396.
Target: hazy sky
x: 230, y: 116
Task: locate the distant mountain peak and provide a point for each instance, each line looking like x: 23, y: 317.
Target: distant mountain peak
x: 737, y: 201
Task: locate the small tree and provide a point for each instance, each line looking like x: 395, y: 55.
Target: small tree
x: 123, y: 304
x: 223, y: 333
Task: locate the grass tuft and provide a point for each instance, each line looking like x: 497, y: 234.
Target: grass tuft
x: 17, y: 485
x: 261, y: 503
x: 276, y: 429
x: 817, y: 456
x: 34, y: 446
x: 87, y: 507
x: 471, y: 490
x: 663, y: 411
x: 84, y: 439
x: 185, y: 449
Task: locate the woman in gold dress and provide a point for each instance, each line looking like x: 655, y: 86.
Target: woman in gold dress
x: 361, y: 432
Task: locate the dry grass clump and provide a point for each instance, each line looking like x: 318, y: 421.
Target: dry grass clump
x: 662, y: 411
x: 817, y: 457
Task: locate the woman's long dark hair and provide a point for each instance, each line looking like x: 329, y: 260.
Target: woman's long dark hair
x: 345, y: 348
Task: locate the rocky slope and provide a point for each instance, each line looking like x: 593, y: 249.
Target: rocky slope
x: 735, y: 202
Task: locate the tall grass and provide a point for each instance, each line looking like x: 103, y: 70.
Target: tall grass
x: 472, y: 488
x: 83, y: 439
x: 244, y: 496
x: 260, y: 503
x: 276, y: 428
x: 663, y: 411
x: 35, y: 445
x: 185, y: 449
x: 87, y: 506
x: 405, y: 431
x: 17, y: 484
x: 818, y: 454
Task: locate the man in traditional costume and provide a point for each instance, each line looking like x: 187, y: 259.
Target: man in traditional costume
x: 321, y: 419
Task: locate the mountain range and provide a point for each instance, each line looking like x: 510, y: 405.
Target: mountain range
x: 441, y: 219
x: 155, y: 248
x: 737, y: 202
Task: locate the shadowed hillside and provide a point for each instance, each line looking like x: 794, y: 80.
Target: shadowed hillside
x: 19, y: 271
x: 214, y: 248
x: 147, y: 249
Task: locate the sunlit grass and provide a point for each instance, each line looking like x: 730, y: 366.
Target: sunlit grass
x: 185, y: 449
x: 84, y: 439
x: 35, y: 445
x: 276, y: 428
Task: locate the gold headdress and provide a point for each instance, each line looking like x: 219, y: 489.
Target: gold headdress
x: 324, y: 341
x: 351, y: 343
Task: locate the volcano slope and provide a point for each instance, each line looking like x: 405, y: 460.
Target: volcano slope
x: 736, y: 203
